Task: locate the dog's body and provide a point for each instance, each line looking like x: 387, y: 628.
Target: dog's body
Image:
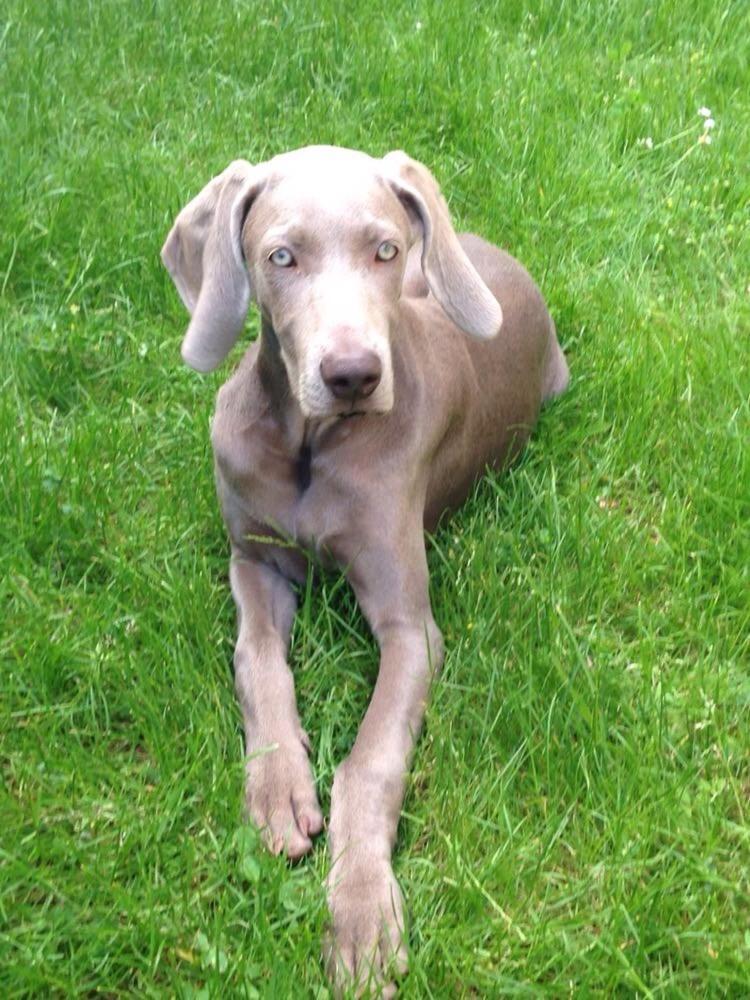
x: 361, y: 415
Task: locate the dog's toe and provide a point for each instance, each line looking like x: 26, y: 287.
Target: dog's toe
x: 281, y: 800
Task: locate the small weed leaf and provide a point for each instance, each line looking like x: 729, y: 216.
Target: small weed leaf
x: 201, y: 943
x: 212, y: 957
x: 191, y: 993
x: 291, y: 897
x: 246, y: 844
x: 250, y: 868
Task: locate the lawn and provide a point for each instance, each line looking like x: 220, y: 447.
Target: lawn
x: 577, y: 820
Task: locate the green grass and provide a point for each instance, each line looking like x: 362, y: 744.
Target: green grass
x: 577, y: 822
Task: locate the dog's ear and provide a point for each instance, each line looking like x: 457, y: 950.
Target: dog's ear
x: 448, y: 271
x: 203, y: 254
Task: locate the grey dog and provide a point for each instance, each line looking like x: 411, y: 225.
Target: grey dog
x: 362, y: 413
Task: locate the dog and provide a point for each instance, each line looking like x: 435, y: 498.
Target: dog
x: 396, y: 361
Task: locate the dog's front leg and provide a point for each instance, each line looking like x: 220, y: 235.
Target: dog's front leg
x: 280, y: 793
x: 367, y: 941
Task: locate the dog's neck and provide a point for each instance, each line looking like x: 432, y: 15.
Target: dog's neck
x: 284, y: 408
x: 272, y: 372
x: 302, y: 435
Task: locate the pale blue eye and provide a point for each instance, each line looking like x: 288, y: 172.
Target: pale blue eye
x: 387, y: 251
x: 281, y: 257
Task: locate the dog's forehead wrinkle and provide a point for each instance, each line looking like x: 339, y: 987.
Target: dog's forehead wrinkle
x: 332, y: 231
x: 334, y: 208
x: 325, y: 195
x: 310, y: 193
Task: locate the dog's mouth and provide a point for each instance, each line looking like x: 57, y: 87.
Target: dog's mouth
x: 315, y: 408
x: 355, y: 408
x: 358, y: 410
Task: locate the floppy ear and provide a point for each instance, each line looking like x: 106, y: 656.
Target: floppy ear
x: 450, y: 274
x: 203, y: 254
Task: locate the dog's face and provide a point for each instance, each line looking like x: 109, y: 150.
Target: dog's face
x: 325, y: 241
x: 319, y: 237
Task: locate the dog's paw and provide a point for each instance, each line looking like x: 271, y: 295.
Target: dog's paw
x: 280, y: 797
x: 365, y: 950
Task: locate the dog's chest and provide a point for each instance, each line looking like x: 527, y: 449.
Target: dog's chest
x: 264, y: 486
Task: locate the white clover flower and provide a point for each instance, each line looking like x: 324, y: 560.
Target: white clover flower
x: 704, y: 112
x: 418, y: 25
x: 704, y: 139
x: 648, y: 142
x: 708, y: 124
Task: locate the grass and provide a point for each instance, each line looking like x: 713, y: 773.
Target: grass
x: 577, y: 822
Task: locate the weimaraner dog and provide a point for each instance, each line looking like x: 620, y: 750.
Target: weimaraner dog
x: 361, y: 414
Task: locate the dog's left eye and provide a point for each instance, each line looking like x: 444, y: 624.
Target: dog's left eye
x: 281, y: 257
x: 386, y: 250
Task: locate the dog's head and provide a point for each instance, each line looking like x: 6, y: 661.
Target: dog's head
x: 319, y: 238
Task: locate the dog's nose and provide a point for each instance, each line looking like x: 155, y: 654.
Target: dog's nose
x: 352, y: 376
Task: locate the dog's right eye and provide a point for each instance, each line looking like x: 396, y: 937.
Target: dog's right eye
x: 386, y: 251
x: 281, y: 257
